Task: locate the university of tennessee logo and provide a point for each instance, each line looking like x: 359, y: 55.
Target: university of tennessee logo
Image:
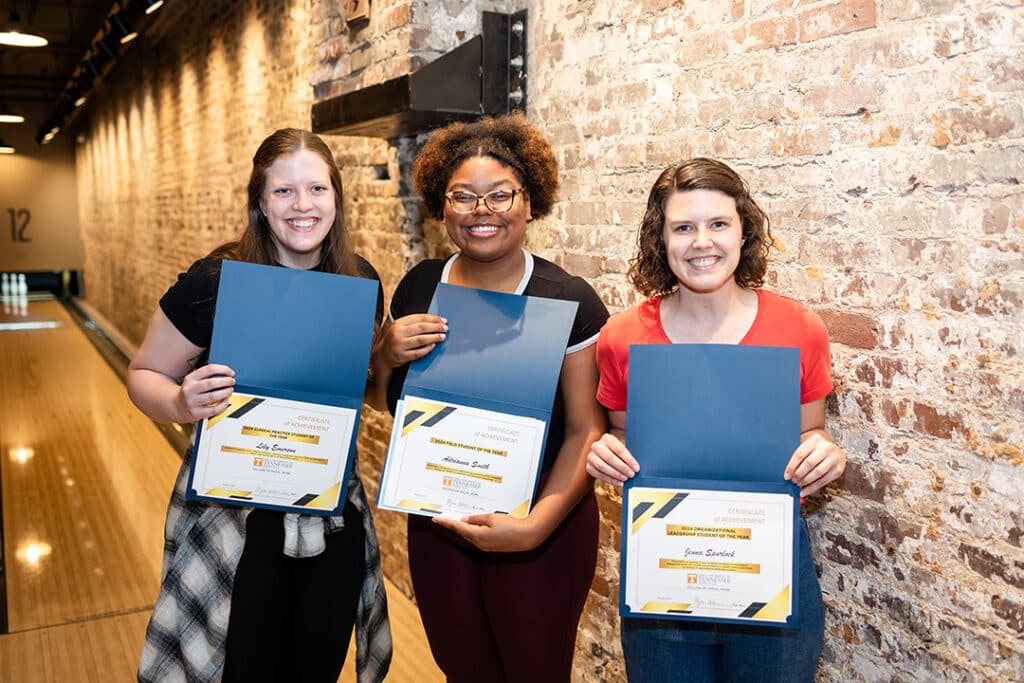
x: 446, y: 481
x: 257, y: 462
x: 691, y: 578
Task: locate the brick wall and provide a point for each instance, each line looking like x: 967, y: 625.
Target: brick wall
x: 884, y: 139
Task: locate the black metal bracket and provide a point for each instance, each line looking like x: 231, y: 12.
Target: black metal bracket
x: 485, y: 75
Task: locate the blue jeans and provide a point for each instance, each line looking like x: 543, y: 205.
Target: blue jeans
x: 659, y: 650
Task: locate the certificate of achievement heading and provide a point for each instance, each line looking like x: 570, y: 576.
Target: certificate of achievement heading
x: 708, y: 554
x: 447, y: 458
x: 276, y: 452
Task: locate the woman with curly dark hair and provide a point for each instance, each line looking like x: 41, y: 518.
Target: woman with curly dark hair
x: 501, y: 597
x: 702, y: 255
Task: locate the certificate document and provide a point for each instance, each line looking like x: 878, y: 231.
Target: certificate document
x: 447, y: 458
x: 275, y: 452
x: 711, y: 554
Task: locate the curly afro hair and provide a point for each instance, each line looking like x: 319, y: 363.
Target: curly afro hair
x: 509, y: 139
x: 649, y: 269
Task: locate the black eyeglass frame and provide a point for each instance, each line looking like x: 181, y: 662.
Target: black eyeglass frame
x: 484, y: 197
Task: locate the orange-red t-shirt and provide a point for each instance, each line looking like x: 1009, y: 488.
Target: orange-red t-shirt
x: 780, y: 321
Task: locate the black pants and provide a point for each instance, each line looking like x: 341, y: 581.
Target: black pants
x: 292, y: 618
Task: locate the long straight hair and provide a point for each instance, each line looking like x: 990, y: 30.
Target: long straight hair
x: 256, y: 245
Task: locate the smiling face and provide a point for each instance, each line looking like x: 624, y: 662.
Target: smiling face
x: 703, y: 237
x: 298, y: 201
x: 483, y: 235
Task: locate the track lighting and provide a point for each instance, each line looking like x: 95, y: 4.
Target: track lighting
x: 121, y: 30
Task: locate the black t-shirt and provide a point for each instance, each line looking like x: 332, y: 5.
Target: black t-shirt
x: 190, y: 302
x: 415, y: 291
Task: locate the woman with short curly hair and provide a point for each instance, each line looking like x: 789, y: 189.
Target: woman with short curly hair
x: 501, y: 597
x: 702, y: 252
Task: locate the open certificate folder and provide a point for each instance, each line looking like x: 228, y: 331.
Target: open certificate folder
x: 472, y: 421
x: 299, y: 343
x: 709, y: 525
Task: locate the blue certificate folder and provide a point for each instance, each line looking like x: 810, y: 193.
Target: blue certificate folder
x: 723, y: 414
x: 297, y: 335
x: 502, y: 352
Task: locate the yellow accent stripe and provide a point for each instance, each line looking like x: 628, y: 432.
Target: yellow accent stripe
x: 657, y: 499
x: 434, y: 467
x: 522, y: 511
x: 429, y: 411
x: 777, y: 609
x: 662, y: 607
x: 704, y: 565
x: 218, y: 492
x: 327, y: 500
x: 280, y: 456
x: 410, y: 504
x: 281, y: 435
x: 235, y: 401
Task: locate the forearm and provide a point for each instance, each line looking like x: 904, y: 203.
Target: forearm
x: 156, y: 395
x: 376, y: 394
x: 567, y: 484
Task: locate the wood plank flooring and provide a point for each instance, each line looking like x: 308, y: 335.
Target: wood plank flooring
x: 84, y: 479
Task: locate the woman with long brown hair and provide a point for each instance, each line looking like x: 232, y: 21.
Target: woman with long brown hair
x: 258, y: 595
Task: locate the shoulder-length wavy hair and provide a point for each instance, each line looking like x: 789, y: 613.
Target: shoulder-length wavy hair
x: 649, y: 270
x: 510, y: 139
x: 256, y: 245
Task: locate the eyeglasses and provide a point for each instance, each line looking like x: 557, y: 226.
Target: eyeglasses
x: 497, y: 201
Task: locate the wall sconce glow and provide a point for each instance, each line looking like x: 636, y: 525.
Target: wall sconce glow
x: 153, y: 5
x: 33, y: 553
x: 13, y: 35
x: 20, y: 455
x: 5, y: 148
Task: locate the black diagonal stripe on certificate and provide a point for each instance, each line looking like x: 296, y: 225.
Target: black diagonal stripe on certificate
x: 305, y: 499
x: 670, y: 505
x: 411, y: 417
x: 441, y: 414
x: 640, y: 509
x: 246, y: 408
x: 752, y: 609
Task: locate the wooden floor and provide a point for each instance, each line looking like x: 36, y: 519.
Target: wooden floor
x: 84, y: 479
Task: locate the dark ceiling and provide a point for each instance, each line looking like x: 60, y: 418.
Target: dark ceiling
x: 40, y: 82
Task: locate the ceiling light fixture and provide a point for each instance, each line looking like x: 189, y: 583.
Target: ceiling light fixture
x: 153, y: 5
x: 8, y: 116
x: 15, y: 35
x: 5, y: 148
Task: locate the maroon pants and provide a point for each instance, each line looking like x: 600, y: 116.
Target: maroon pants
x: 504, y: 617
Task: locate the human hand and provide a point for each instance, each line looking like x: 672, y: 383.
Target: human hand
x: 815, y: 463
x: 610, y: 461
x: 411, y: 337
x: 204, y: 392
x: 495, y: 532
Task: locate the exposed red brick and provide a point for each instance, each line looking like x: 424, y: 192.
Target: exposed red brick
x: 992, y: 566
x: 842, y: 550
x: 767, y: 33
x: 852, y: 329
x: 1009, y: 611
x: 841, y: 17
x: 894, y: 411
x: 931, y: 421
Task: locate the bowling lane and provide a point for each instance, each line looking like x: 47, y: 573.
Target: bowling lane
x: 84, y: 479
